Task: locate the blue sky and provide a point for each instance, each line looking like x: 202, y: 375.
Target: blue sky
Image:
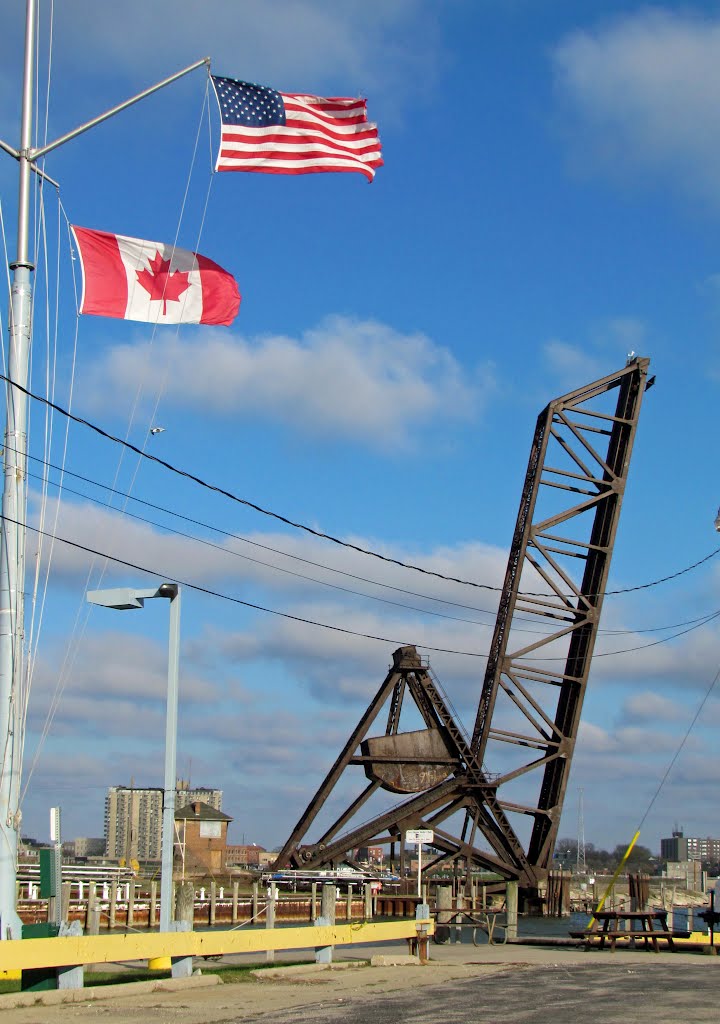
x: 549, y: 203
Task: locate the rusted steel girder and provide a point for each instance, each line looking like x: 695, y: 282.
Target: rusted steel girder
x: 590, y: 441
x: 437, y: 764
x: 542, y: 684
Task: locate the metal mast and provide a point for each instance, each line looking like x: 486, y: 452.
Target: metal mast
x: 12, y: 534
x: 12, y: 528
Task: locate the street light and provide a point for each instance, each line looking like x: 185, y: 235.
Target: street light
x: 124, y: 598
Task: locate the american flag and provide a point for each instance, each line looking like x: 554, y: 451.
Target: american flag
x: 293, y: 133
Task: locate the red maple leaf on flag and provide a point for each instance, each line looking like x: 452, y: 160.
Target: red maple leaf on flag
x: 160, y: 284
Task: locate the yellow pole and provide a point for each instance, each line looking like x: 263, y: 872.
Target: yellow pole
x: 592, y: 922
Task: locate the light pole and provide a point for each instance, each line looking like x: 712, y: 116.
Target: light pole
x: 127, y: 597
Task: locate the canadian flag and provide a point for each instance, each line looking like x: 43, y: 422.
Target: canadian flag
x: 133, y: 279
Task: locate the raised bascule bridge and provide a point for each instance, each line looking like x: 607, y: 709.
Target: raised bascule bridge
x: 504, y: 817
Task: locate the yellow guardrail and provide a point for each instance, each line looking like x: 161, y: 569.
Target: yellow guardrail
x: 26, y: 954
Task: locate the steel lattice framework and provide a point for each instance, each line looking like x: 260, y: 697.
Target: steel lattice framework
x: 529, y: 709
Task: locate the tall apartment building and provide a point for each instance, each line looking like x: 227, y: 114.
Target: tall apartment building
x: 184, y: 795
x: 682, y: 847
x: 133, y: 818
x: 674, y: 849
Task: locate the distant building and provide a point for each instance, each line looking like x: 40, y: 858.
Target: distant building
x: 244, y: 855
x: 373, y: 855
x: 681, y: 847
x: 29, y: 849
x: 674, y: 849
x: 704, y: 849
x: 84, y: 847
x: 688, y: 872
x: 133, y: 818
x: 185, y: 794
x: 201, y: 838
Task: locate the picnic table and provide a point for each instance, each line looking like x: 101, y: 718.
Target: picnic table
x: 627, y: 924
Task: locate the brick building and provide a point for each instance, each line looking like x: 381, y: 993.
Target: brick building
x: 244, y: 855
x: 372, y: 855
x: 201, y: 843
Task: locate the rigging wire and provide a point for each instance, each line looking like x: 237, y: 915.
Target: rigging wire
x: 62, y: 470
x: 311, y: 579
x: 160, y: 390
x: 82, y: 612
x: 41, y: 260
x: 51, y: 359
x: 6, y: 257
x: 677, y: 753
x: 217, y: 489
x: 49, y: 363
x: 9, y: 399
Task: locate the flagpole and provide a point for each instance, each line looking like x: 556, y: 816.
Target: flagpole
x: 12, y: 528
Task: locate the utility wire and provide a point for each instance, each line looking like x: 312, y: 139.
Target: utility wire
x: 302, y: 526
x: 641, y: 647
x: 246, y: 540
x: 242, y: 501
x: 278, y: 568
x: 246, y: 604
x: 299, y: 618
x: 665, y: 579
x: 311, y: 579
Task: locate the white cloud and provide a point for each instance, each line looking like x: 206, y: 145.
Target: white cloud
x: 592, y: 739
x: 337, y: 663
x: 254, y: 693
x: 710, y: 285
x: 570, y: 363
x: 652, y: 707
x: 612, y: 339
x: 628, y: 331
x: 687, y: 662
x: 351, y: 378
x: 641, y: 92
x: 336, y: 666
x: 388, y: 45
x: 311, y: 565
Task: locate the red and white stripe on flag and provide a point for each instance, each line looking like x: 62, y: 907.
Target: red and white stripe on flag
x: 135, y: 279
x: 293, y: 133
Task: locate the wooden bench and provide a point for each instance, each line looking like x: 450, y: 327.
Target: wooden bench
x: 596, y: 939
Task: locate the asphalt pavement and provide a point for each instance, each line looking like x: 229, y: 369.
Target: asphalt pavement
x: 460, y: 984
x: 556, y: 993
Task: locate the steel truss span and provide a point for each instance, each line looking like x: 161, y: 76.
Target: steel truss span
x: 538, y: 666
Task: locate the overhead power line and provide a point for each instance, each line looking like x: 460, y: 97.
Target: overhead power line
x: 302, y: 619
x: 303, y: 576
x: 302, y: 526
